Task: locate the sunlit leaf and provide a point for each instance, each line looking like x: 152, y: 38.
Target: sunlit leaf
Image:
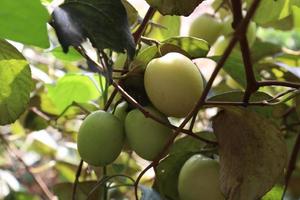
x: 174, y: 7
x: 24, y: 21
x: 15, y: 83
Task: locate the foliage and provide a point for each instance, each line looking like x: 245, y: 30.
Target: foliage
x: 59, y: 63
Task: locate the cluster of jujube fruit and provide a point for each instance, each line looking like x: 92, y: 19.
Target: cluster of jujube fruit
x: 173, y: 84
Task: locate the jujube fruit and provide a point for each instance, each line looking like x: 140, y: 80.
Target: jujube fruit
x: 100, y: 138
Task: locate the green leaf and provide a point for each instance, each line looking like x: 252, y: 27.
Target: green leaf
x: 73, y: 87
x: 132, y: 13
x: 270, y: 11
x: 71, y: 56
x: 234, y: 67
x: 168, y: 26
x: 195, y: 47
x: 269, y: 112
x: 174, y: 7
x: 21, y: 196
x: 262, y: 49
x: 64, y: 190
x: 15, y: 83
x: 274, y: 194
x: 252, y: 150
x: 189, y: 144
x: 167, y: 174
x: 103, y: 22
x: 24, y: 21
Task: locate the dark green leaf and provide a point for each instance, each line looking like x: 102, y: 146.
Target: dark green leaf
x: 189, y: 144
x: 103, y: 22
x: 174, y: 7
x: 24, y: 21
x: 167, y: 174
x: 234, y: 66
x: 64, y: 190
x: 262, y: 49
x: 15, y: 83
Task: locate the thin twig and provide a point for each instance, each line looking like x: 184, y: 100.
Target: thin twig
x: 37, y: 179
x: 252, y: 85
x: 292, y: 164
x: 139, y: 33
x: 76, y: 181
x: 279, y: 83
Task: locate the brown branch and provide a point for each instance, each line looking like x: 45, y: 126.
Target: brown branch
x: 76, y: 181
x: 139, y: 33
x: 252, y: 85
x: 37, y: 179
x: 292, y: 164
x: 279, y: 83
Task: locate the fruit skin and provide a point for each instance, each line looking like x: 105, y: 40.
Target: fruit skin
x: 100, y: 138
x: 121, y: 111
x: 173, y: 84
x: 206, y: 27
x: 144, y: 135
x: 199, y: 179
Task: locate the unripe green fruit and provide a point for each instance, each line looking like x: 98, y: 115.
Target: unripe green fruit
x: 206, y: 27
x: 173, y: 84
x: 121, y: 111
x: 144, y: 135
x: 100, y: 138
x: 199, y: 179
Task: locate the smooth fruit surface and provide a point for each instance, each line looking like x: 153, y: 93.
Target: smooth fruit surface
x: 144, y: 135
x: 100, y: 138
x: 206, y: 27
x: 121, y: 111
x: 199, y: 179
x: 173, y: 84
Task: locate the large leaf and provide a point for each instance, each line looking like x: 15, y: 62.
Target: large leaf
x: 166, y: 27
x: 103, y: 22
x: 73, y: 88
x: 234, y: 66
x: 64, y: 190
x: 15, y: 83
x: 24, y: 21
x: 270, y: 112
x: 252, y: 152
x: 167, y: 174
x: 270, y: 11
x: 195, y: 47
x: 174, y: 7
x: 262, y: 49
